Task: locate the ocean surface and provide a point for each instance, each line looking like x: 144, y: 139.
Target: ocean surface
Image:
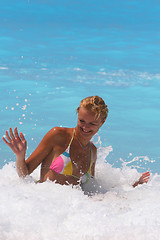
x: 52, y: 55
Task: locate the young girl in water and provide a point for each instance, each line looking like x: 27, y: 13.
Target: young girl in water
x: 67, y: 156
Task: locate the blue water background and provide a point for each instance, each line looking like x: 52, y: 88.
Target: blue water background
x: 54, y: 53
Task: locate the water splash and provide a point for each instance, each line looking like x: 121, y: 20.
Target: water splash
x: 137, y: 162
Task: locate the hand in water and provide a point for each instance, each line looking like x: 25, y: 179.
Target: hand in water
x: 144, y: 178
x: 16, y: 142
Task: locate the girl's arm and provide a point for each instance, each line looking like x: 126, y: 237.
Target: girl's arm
x: 61, y: 178
x: 18, y: 145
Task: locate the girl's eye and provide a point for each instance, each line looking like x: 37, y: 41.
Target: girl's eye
x: 82, y: 121
x: 93, y: 124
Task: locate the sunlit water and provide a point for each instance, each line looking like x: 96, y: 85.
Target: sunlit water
x: 53, y: 54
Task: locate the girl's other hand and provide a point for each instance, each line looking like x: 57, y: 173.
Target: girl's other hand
x: 144, y: 178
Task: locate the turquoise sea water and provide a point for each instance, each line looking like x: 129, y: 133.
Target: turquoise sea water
x: 54, y: 53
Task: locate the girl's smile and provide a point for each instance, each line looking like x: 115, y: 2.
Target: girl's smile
x: 87, y: 124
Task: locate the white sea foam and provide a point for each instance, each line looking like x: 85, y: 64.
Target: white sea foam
x: 114, y: 210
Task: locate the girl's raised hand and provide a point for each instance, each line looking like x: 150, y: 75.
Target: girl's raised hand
x: 16, y: 142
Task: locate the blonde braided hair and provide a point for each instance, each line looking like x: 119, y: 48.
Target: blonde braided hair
x: 96, y: 105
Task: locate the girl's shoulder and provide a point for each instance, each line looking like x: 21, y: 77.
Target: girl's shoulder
x: 60, y: 131
x: 59, y: 135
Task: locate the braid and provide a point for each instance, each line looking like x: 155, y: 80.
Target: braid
x: 95, y: 104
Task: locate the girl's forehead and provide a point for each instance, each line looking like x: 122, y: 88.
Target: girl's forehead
x: 84, y: 111
x: 88, y: 115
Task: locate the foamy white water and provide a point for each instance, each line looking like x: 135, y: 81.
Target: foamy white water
x: 51, y: 211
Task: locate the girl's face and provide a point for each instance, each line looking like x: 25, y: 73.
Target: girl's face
x: 87, y: 125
